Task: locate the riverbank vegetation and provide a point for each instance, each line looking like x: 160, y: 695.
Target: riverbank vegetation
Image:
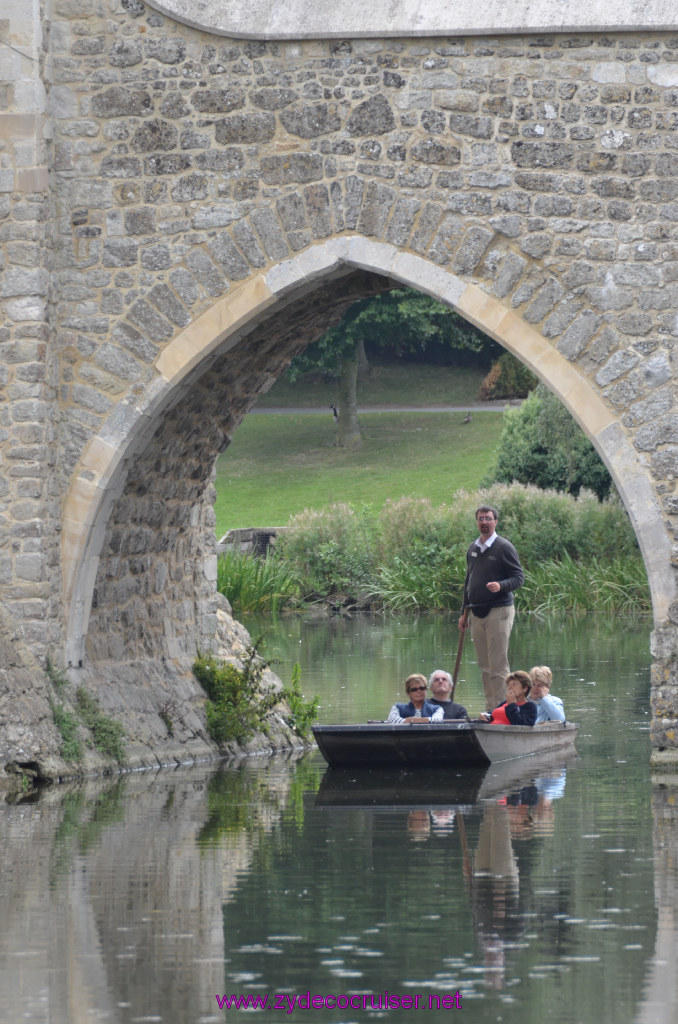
x: 350, y: 540
x: 238, y: 703
x: 541, y: 444
x: 578, y: 554
x: 279, y: 465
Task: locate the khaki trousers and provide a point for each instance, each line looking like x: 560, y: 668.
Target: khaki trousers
x: 491, y: 640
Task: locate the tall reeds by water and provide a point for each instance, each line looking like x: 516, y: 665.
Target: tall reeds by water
x: 578, y: 554
x: 256, y: 584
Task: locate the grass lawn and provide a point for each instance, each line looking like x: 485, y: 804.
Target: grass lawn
x: 278, y: 465
x: 390, y: 383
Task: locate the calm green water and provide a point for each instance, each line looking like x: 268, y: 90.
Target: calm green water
x: 523, y: 894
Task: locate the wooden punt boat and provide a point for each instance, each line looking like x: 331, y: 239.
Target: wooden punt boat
x: 438, y: 744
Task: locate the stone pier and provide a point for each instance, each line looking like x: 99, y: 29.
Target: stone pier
x: 191, y: 192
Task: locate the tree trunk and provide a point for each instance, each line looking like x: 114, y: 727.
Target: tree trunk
x: 364, y: 367
x: 348, y: 428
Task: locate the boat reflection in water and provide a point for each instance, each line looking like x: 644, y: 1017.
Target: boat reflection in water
x: 517, y: 800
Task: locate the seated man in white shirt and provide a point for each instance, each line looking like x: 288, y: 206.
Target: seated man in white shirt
x: 549, y: 707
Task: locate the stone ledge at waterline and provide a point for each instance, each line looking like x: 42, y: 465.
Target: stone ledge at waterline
x: 161, y: 709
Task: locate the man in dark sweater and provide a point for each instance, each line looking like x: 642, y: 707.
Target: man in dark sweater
x: 441, y: 688
x: 493, y: 572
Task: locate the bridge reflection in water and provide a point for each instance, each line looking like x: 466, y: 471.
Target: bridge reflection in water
x: 536, y: 891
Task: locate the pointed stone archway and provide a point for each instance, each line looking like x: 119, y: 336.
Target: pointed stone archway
x: 218, y: 357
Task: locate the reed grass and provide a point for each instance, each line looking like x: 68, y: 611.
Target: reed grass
x: 618, y: 587
x: 254, y: 584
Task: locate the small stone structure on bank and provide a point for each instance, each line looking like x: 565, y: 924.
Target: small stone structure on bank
x: 251, y: 540
x: 183, y: 210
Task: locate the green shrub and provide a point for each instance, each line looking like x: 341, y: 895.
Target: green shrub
x: 331, y: 550
x: 107, y: 734
x: 237, y: 705
x: 303, y: 713
x: 602, y: 528
x: 67, y: 724
x: 541, y: 444
x: 410, y: 523
x: 57, y: 676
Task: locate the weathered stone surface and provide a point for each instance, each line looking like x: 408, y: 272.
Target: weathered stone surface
x: 120, y: 252
x: 189, y: 188
x: 617, y: 366
x: 124, y: 54
x: 218, y: 101
x: 477, y: 127
x: 432, y: 151
x: 273, y: 99
x: 153, y: 135
x: 296, y: 168
x: 372, y: 117
x: 169, y: 164
x: 245, y: 128
x: 121, y: 102
x: 578, y: 335
x: 310, y: 122
x: 662, y: 431
x: 542, y: 154
x: 135, y: 342
x: 167, y: 51
x: 152, y: 324
x: 226, y: 254
x: 121, y: 167
x: 210, y: 278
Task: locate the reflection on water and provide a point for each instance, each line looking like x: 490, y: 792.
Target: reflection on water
x: 530, y: 888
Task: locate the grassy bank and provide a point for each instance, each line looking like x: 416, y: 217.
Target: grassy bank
x: 278, y: 465
x: 388, y: 383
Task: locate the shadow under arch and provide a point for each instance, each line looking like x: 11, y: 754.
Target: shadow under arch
x: 100, y: 476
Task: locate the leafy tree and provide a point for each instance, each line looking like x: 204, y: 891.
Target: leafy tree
x: 508, y: 378
x: 403, y: 320
x: 541, y: 444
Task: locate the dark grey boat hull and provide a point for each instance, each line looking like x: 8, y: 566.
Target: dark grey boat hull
x: 467, y: 744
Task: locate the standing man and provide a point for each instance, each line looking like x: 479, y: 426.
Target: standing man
x: 493, y: 572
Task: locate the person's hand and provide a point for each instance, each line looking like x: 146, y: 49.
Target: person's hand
x: 494, y: 587
x: 463, y: 621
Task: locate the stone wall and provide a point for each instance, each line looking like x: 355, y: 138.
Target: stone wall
x: 214, y: 203
x: 322, y: 19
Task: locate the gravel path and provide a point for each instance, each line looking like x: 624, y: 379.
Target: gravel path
x: 477, y: 407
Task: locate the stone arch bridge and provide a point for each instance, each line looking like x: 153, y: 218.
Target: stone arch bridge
x: 184, y: 204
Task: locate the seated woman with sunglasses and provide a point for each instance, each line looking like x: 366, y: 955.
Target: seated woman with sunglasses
x: 418, y: 710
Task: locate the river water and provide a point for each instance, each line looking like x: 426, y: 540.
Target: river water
x: 531, y: 892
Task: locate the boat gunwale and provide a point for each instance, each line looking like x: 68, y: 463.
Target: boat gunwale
x: 457, y: 725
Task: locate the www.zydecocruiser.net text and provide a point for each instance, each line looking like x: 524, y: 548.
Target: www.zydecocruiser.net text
x: 307, y: 1001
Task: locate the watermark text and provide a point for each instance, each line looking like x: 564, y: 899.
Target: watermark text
x: 380, y: 1001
